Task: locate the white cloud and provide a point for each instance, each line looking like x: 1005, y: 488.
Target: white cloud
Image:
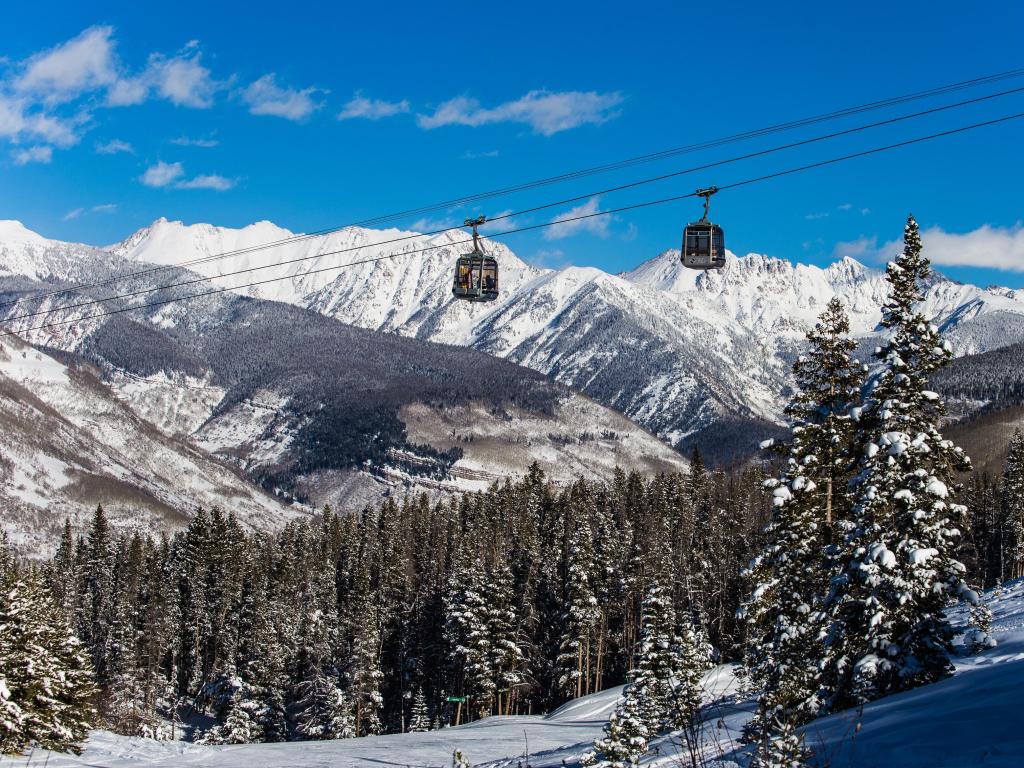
x: 816, y: 216
x: 173, y: 174
x: 425, y: 224
x: 987, y: 246
x: 209, y: 181
x: 266, y: 97
x: 162, y: 174
x: 372, y: 109
x: 37, y: 154
x: 114, y: 146
x: 862, y: 249
x: 19, y: 122
x: 183, y: 81
x: 471, y: 155
x: 84, y: 63
x: 595, y: 225
x: 184, y: 141
x: 77, y: 212
x: 845, y: 206
x: 548, y: 259
x: 545, y: 112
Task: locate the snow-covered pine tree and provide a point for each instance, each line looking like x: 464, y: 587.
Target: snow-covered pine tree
x: 44, y: 672
x: 1013, y: 507
x: 789, y: 578
x: 419, y: 717
x: 580, y: 613
x: 363, y: 672
x: 506, y: 659
x: 887, y: 628
x: 625, y: 734
x: 695, y: 656
x: 657, y: 661
x: 781, y: 747
x: 469, y: 641
x: 98, y: 598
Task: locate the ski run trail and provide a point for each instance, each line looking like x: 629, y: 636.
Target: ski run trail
x: 975, y: 718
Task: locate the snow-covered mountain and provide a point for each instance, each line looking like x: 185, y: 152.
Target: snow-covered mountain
x: 676, y: 350
x: 68, y: 443
x: 309, y: 406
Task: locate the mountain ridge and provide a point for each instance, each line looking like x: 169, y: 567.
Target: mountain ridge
x: 679, y: 352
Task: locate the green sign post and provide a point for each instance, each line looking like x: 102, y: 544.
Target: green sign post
x: 456, y: 698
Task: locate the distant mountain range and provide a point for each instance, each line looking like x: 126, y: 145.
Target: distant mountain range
x: 228, y: 387
x: 697, y: 358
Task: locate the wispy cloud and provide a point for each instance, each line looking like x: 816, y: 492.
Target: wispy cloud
x: 425, y: 224
x: 816, y: 216
x: 595, y: 225
x: 114, y: 146
x: 552, y: 258
x: 163, y: 174
x: 185, y: 141
x: 266, y: 97
x: 863, y: 249
x: 51, y: 95
x: 471, y: 155
x: 37, y: 154
x: 86, y: 62
x: 546, y: 112
x: 372, y: 109
x: 208, y: 181
x: 77, y: 212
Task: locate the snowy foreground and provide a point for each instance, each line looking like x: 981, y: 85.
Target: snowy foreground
x: 974, y: 718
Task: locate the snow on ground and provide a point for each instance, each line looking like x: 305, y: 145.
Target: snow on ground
x: 974, y: 718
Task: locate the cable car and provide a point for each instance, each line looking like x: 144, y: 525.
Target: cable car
x: 476, y: 273
x: 703, y: 242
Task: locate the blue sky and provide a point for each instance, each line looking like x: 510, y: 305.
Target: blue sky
x: 112, y: 115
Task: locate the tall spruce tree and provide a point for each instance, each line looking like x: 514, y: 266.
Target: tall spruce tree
x: 887, y: 628
x: 1013, y: 508
x: 45, y: 677
x: 789, y: 578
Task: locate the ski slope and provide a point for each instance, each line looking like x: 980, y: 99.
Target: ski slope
x: 974, y: 718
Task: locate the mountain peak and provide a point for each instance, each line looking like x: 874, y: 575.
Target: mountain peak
x: 13, y: 231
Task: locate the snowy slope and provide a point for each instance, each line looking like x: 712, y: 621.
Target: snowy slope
x: 67, y: 443
x: 973, y: 718
x: 676, y: 350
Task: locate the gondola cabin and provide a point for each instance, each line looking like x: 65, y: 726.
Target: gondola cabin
x: 476, y: 278
x: 703, y: 242
x: 703, y: 246
x: 476, y: 273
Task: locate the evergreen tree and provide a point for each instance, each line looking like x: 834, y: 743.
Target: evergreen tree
x: 887, y: 628
x: 1013, y: 508
x: 657, y: 663
x: 419, y: 718
x: 789, y: 578
x: 581, y: 614
x: 45, y: 680
x: 625, y: 734
x: 98, y: 611
x: 469, y: 639
x: 694, y: 657
x: 782, y: 747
